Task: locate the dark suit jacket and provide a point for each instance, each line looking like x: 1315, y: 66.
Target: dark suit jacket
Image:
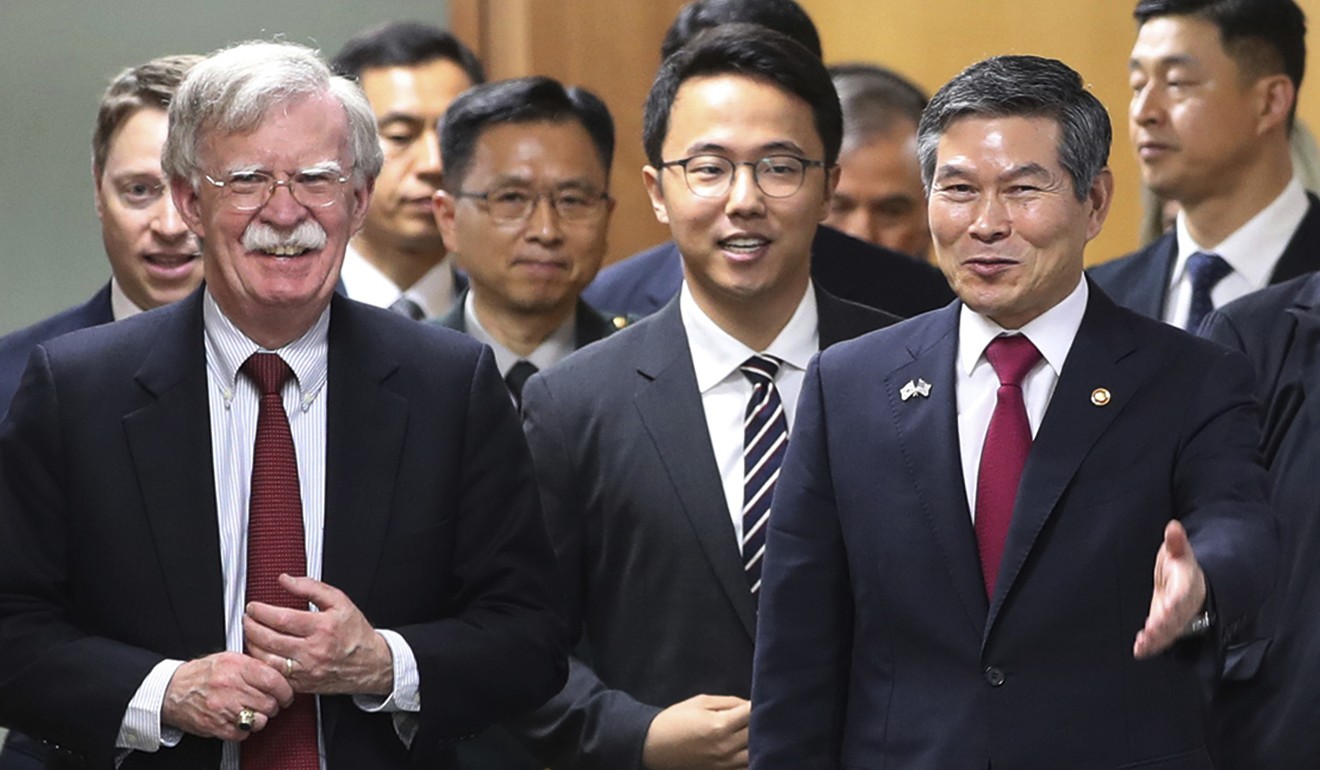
x: 1267, y: 710
x: 109, y: 545
x: 636, y: 512
x: 15, y: 347
x: 589, y: 323
x: 840, y: 264
x: 1140, y: 280
x: 877, y: 646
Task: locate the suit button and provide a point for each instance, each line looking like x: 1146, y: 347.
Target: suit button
x: 994, y: 676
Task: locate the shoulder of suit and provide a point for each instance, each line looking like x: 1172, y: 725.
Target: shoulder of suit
x: 1135, y: 262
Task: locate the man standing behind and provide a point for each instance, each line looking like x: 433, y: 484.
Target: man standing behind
x: 959, y: 569
x: 197, y: 479
x: 153, y: 256
x: 410, y: 73
x: 1214, y: 92
x: 526, y: 210
x: 880, y: 198
x: 658, y: 448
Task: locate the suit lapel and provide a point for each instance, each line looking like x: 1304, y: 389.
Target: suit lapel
x: 670, y: 407
x: 1304, y: 352
x: 169, y: 440
x: 1300, y: 255
x: 589, y: 325
x: 1150, y: 295
x: 1070, y: 428
x: 927, y: 433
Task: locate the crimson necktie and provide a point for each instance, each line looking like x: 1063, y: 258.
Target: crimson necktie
x: 765, y: 439
x: 1007, y: 441
x: 275, y: 545
x: 1205, y: 272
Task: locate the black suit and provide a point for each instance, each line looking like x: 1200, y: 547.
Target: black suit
x: 1140, y: 280
x: 637, y: 513
x: 840, y: 264
x: 15, y: 347
x: 589, y: 323
x: 1267, y: 709
x: 109, y: 544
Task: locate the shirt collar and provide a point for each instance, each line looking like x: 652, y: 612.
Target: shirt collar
x: 228, y: 347
x: 551, y: 351
x: 121, y: 306
x: 1052, y: 332
x: 433, y: 292
x: 716, y: 354
x: 1254, y: 248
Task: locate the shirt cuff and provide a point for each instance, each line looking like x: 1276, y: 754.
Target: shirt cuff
x: 406, y: 699
x: 141, y: 729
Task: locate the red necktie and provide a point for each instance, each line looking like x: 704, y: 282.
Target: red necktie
x: 275, y: 545
x: 1007, y: 441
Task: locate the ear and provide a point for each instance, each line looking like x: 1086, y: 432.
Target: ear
x: 443, y: 209
x: 1277, y: 95
x: 831, y: 181
x: 1098, y: 199
x: 361, y: 200
x: 656, y: 191
x: 96, y: 199
x: 185, y: 201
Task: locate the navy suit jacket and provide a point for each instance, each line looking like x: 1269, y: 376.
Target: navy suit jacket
x: 15, y: 347
x: 1266, y: 711
x: 842, y: 265
x: 1140, y: 280
x: 109, y: 543
x: 636, y: 511
x: 589, y: 323
x: 877, y: 645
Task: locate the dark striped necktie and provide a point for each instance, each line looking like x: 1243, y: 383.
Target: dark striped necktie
x: 765, y: 439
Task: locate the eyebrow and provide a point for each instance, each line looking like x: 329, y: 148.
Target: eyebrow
x: 515, y: 180
x: 1017, y: 172
x: 1173, y: 60
x: 770, y: 148
x: 399, y: 117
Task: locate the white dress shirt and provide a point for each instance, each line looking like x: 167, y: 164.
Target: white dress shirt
x: 1252, y: 251
x: 433, y: 292
x: 1052, y: 332
x: 121, y: 306
x: 551, y: 351
x: 716, y: 356
x: 233, y: 403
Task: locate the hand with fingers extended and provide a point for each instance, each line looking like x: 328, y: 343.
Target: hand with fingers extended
x: 704, y: 732
x: 205, y: 696
x: 1179, y: 594
x: 333, y: 651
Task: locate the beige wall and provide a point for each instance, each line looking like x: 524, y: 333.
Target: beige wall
x: 933, y: 40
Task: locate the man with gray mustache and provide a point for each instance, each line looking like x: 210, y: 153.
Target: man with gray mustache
x: 268, y: 526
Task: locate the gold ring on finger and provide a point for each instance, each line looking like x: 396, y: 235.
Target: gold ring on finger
x: 288, y: 668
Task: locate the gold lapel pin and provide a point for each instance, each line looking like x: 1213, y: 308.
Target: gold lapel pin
x: 1100, y: 397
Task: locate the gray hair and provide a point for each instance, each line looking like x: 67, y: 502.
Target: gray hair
x: 232, y: 90
x: 876, y: 101
x: 1024, y: 86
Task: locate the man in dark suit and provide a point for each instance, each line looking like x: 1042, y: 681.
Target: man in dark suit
x: 1214, y: 92
x: 842, y: 265
x: 410, y: 73
x: 177, y: 491
x: 526, y: 210
x: 153, y: 256
x: 941, y: 589
x: 639, y: 440
x: 1265, y: 708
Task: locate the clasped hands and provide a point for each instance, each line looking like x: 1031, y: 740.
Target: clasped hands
x: 333, y: 651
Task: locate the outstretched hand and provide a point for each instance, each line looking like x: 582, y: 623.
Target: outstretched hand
x: 1178, y: 597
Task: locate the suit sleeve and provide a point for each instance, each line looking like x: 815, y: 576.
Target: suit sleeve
x: 801, y: 670
x: 47, y: 660
x: 587, y: 725
x: 503, y: 648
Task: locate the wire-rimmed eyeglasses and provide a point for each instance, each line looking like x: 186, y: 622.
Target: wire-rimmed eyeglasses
x: 513, y: 205
x: 711, y: 176
x: 249, y: 190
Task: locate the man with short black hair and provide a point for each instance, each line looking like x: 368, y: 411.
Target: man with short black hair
x: 410, y: 73
x: 844, y: 266
x: 1214, y: 92
x: 525, y: 210
x: 656, y: 449
x: 880, y: 198
x: 958, y: 573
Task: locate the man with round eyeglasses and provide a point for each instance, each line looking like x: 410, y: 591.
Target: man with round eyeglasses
x: 656, y: 450
x: 525, y: 209
x: 269, y: 526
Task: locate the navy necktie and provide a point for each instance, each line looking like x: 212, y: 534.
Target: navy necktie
x: 765, y: 439
x: 407, y: 307
x: 1205, y: 272
x: 517, y: 377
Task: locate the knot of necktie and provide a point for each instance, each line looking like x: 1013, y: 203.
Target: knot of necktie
x: 1012, y: 356
x: 760, y: 369
x: 267, y: 371
x: 1204, y: 271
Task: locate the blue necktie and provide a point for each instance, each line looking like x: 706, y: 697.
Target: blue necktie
x: 765, y: 439
x: 1205, y: 271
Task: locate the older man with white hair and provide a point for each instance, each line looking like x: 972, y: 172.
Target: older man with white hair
x: 267, y: 526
